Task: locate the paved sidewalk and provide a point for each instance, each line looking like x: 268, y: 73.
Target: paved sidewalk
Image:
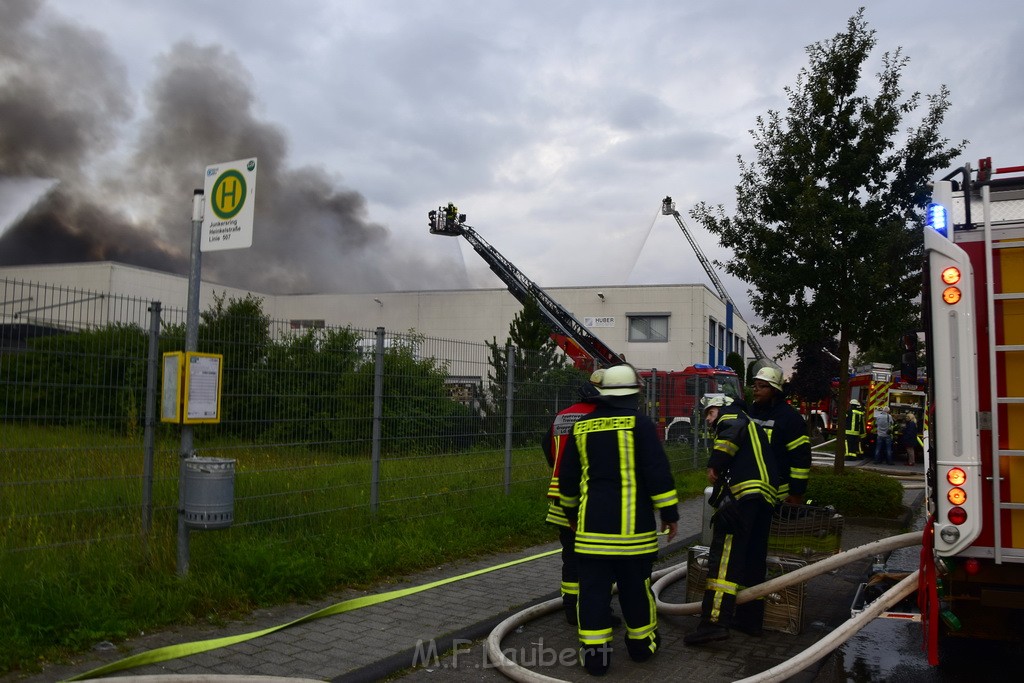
x: 387, y: 639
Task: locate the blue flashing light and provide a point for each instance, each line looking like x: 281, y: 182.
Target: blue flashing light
x: 937, y: 218
x: 723, y: 368
x: 702, y: 366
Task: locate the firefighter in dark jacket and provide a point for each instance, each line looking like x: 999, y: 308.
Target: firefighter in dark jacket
x: 613, y: 476
x: 553, y: 446
x: 742, y: 471
x: 787, y: 431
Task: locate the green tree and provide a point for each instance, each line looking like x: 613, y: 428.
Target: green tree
x: 827, y: 225
x: 418, y: 413
x: 541, y: 376
x: 814, y: 370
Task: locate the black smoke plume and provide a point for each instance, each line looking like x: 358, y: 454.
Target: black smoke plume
x: 64, y: 104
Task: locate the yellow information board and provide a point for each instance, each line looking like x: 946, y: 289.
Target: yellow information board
x: 191, y: 387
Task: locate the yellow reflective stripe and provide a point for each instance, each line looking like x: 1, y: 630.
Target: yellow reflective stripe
x: 723, y: 566
x: 727, y: 587
x: 797, y: 443
x: 627, y: 474
x: 745, y: 488
x: 726, y: 446
x: 595, y: 637
x: 640, y: 633
x: 604, y: 424
x: 581, y: 446
x: 620, y: 539
x: 569, y: 588
x: 585, y: 548
x: 665, y: 499
x: 799, y: 472
x: 556, y: 515
x: 755, y: 444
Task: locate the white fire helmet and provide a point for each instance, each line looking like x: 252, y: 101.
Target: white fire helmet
x: 619, y: 380
x: 715, y: 401
x: 770, y: 375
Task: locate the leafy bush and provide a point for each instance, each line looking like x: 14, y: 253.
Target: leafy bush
x: 856, y: 493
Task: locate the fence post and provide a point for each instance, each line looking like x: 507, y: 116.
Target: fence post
x: 378, y: 417
x: 510, y: 387
x: 149, y: 435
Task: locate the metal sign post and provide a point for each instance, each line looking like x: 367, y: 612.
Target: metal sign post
x: 191, y: 343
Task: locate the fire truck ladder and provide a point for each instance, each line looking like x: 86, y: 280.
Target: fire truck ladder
x: 569, y: 333
x: 668, y: 208
x: 999, y: 356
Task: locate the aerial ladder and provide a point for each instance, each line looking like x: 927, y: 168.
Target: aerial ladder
x: 668, y: 208
x: 583, y: 347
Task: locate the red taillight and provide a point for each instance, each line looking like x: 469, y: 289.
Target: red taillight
x: 951, y: 275
x: 956, y: 496
x: 957, y: 515
x: 956, y: 477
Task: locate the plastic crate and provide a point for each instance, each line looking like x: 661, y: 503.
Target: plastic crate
x: 783, y: 609
x: 805, y: 532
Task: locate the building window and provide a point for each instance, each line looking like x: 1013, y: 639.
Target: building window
x: 648, y: 328
x: 721, y: 345
x: 712, y: 336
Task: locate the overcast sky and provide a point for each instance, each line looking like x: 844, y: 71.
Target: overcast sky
x: 558, y: 126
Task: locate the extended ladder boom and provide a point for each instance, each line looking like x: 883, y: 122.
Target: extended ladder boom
x: 668, y: 208
x: 447, y: 221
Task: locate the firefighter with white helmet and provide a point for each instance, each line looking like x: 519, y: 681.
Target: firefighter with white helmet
x: 743, y: 472
x: 614, y: 475
x: 787, y: 432
x: 855, y: 429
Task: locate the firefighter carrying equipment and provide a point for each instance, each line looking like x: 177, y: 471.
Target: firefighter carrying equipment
x: 739, y: 548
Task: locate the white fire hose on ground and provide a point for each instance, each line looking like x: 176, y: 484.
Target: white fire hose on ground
x: 664, y: 577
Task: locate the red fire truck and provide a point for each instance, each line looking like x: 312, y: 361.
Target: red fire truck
x: 677, y: 395
x: 974, y: 312
x: 875, y: 386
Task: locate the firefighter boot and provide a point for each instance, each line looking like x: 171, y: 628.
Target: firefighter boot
x: 707, y: 632
x: 569, y: 607
x: 596, y: 658
x: 642, y: 649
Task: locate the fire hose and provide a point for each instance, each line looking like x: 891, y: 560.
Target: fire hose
x: 664, y: 577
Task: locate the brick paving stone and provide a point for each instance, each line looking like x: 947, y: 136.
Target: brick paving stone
x: 380, y: 641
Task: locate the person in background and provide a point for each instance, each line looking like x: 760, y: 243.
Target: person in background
x: 553, y: 445
x: 855, y: 431
x: 908, y: 437
x: 787, y: 431
x: 743, y: 474
x: 614, y: 476
x: 883, y: 436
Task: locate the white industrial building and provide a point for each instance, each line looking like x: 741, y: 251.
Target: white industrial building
x: 667, y: 327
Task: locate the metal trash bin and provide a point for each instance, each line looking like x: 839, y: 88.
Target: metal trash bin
x: 209, y: 493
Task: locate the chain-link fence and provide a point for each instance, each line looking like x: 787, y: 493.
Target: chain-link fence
x: 327, y: 426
